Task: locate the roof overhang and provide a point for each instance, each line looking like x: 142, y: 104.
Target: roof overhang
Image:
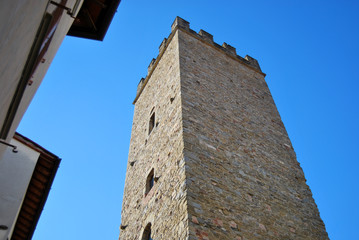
x: 93, y: 19
x: 37, y: 191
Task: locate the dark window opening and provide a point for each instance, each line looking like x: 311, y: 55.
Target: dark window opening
x: 152, y: 123
x: 150, y: 181
x: 147, y: 233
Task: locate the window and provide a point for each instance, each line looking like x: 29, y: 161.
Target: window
x: 147, y: 233
x: 150, y: 181
x: 151, y: 123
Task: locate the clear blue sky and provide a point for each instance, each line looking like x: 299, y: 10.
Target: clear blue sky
x: 83, y: 110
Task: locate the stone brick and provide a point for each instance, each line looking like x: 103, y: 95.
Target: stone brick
x: 195, y: 220
x: 262, y: 227
x: 224, y: 165
x: 233, y: 225
x: 217, y: 222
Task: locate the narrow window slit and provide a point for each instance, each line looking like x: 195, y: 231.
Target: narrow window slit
x: 151, y: 123
x: 150, y: 181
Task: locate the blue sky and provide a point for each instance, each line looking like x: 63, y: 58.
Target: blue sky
x: 83, y: 110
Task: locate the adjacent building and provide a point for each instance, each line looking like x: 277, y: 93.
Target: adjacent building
x: 209, y: 156
x: 27, y: 171
x: 31, y: 33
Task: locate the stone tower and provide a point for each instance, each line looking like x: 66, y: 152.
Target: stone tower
x: 209, y: 156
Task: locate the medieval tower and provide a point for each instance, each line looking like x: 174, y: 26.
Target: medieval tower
x: 209, y: 156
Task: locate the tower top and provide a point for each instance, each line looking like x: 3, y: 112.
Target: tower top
x: 183, y: 25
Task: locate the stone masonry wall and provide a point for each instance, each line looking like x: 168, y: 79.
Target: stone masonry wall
x: 224, y: 166
x: 243, y: 179
x: 165, y: 205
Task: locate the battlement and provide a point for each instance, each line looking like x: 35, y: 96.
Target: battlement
x: 203, y: 36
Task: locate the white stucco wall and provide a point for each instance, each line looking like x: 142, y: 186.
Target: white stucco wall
x: 19, y: 22
x: 15, y: 173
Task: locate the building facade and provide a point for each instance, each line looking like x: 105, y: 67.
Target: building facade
x: 209, y: 156
x: 31, y: 33
x: 26, y: 174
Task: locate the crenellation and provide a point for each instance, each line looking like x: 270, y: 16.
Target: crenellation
x: 139, y: 86
x: 180, y: 22
x: 206, y: 36
x: 252, y: 61
x: 162, y: 45
x: 229, y: 49
x: 153, y: 61
x: 242, y: 59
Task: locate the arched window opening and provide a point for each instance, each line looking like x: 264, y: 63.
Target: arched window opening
x: 150, y: 181
x: 151, y: 123
x: 147, y: 233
